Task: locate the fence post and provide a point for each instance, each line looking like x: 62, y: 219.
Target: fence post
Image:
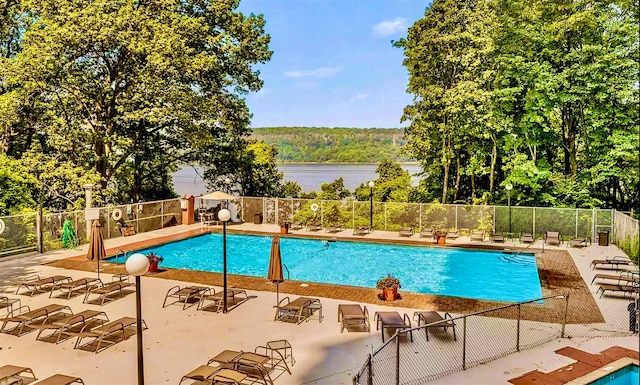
x: 464, y: 343
x: 564, y: 317
x: 385, y: 215
x: 534, y: 223
x: 397, y: 338
x: 162, y: 215
x: 456, y: 218
x: 370, y: 371
x: 518, y: 331
x: 420, y: 220
x: 353, y: 215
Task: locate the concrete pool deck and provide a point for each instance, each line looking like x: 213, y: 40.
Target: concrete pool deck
x: 178, y: 341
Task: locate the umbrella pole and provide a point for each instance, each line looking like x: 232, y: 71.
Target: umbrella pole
x: 98, y: 259
x: 278, y: 293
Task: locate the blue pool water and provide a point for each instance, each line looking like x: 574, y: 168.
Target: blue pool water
x: 625, y: 376
x: 455, y: 272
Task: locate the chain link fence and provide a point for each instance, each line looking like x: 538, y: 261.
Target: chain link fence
x: 393, y: 216
x: 479, y: 338
x: 20, y: 233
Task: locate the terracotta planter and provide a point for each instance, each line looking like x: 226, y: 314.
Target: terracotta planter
x: 284, y: 230
x: 153, y: 267
x: 441, y: 240
x: 390, y: 293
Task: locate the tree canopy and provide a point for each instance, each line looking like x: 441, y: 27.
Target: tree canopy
x: 125, y: 90
x: 541, y: 94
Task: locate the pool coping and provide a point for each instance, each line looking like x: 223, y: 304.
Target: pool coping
x: 603, y: 371
x: 554, y: 266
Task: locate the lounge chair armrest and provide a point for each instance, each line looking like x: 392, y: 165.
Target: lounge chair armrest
x: 366, y: 313
x: 17, y: 312
x: 173, y: 290
x: 282, y: 300
x: 406, y: 319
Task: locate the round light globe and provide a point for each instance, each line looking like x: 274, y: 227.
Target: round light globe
x: 137, y: 264
x: 371, y: 184
x: 227, y: 181
x: 224, y: 215
x: 508, y: 186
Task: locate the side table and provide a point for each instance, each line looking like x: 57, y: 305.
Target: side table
x: 285, y: 347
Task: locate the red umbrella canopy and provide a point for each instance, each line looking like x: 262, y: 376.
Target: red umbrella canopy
x: 96, y: 245
x: 275, y: 262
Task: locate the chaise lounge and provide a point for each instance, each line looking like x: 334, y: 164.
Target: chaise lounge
x: 496, y: 237
x: 11, y: 374
x: 109, y: 292
x: 622, y: 278
x: 82, y: 285
x: 406, y: 232
x: 34, y: 284
x: 392, y: 321
x: 297, y: 310
x: 187, y: 296
x: 452, y: 234
x: 362, y: 230
x: 631, y: 288
x: 235, y: 297
x: 60, y: 330
x: 335, y: 228
x: 40, y: 316
x: 314, y: 226
x: 105, y: 334
x: 477, y: 236
x: 426, y: 233
x: 60, y: 379
x: 353, y: 316
x: 614, y: 262
x: 527, y: 238
x: 552, y: 238
x: 435, y: 321
x: 579, y: 242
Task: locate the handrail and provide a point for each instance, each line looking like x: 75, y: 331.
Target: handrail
x: 287, y: 269
x: 124, y: 254
x: 525, y: 249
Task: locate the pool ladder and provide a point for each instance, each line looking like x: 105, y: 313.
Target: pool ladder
x: 123, y: 253
x: 287, y: 269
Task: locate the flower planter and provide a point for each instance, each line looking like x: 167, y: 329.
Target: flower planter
x: 153, y: 267
x: 284, y: 230
x: 441, y: 239
x: 390, y: 293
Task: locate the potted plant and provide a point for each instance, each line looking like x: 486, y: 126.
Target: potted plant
x: 154, y: 260
x: 389, y: 286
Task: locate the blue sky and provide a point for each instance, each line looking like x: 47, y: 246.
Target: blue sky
x: 333, y: 64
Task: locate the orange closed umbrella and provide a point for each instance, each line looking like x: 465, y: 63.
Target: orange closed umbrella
x: 275, y: 266
x: 96, y: 245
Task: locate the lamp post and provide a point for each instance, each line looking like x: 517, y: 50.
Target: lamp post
x: 224, y: 216
x: 509, y: 187
x: 138, y: 265
x: 371, y: 184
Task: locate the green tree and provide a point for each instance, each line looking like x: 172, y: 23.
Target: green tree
x: 131, y: 87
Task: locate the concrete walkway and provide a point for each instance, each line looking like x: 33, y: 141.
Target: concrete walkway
x: 178, y: 341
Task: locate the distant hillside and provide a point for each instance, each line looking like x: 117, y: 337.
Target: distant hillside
x: 329, y: 145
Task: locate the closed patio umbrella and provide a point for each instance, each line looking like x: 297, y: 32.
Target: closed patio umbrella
x: 275, y: 266
x: 96, y: 245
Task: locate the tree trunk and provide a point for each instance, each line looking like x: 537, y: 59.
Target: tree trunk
x: 494, y: 161
x: 445, y: 164
x: 458, y: 172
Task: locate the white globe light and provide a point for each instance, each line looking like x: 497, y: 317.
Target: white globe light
x: 137, y: 264
x: 227, y: 181
x: 371, y: 184
x: 508, y: 186
x: 224, y: 215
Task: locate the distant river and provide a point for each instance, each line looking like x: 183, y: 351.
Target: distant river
x: 309, y: 176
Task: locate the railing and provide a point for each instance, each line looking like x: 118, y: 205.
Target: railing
x: 485, y: 336
x: 32, y: 232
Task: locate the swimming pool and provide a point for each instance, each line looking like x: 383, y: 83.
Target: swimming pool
x: 627, y: 375
x: 476, y: 274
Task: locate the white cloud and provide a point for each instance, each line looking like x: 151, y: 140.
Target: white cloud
x: 390, y: 27
x: 318, y: 73
x: 359, y: 97
x: 306, y: 84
